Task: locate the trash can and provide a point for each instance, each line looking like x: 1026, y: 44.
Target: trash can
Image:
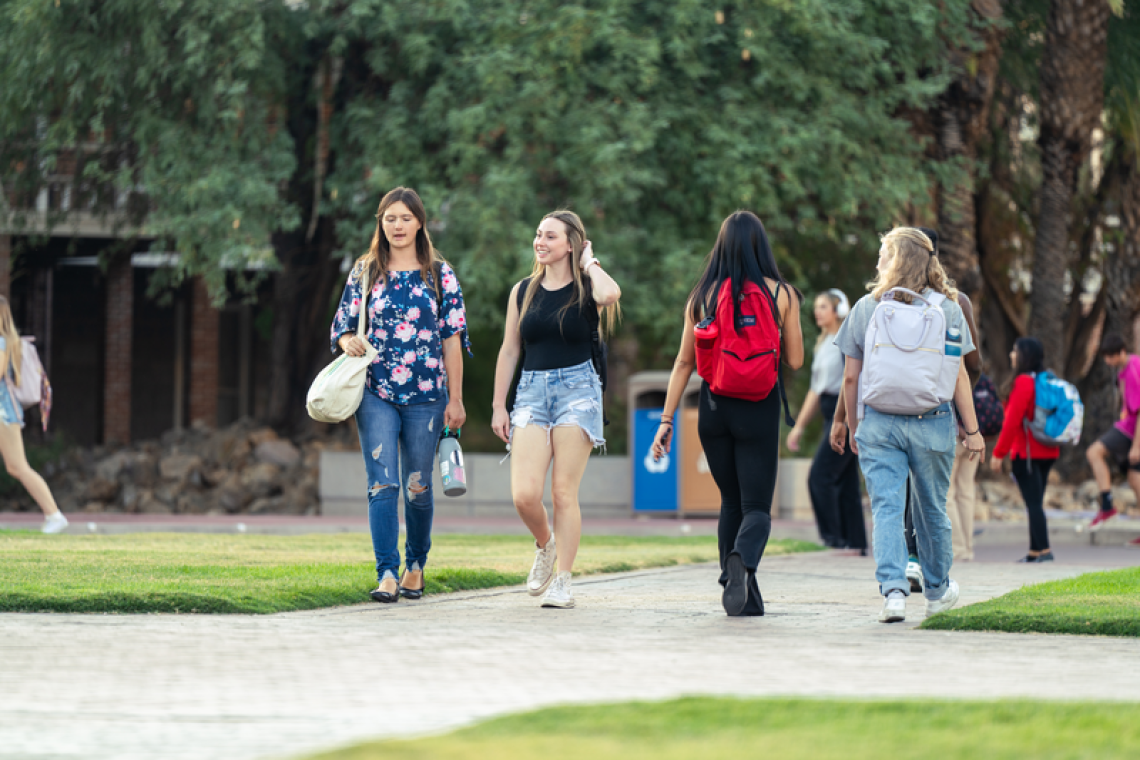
x: 654, y: 483
x: 680, y: 482
x: 699, y: 493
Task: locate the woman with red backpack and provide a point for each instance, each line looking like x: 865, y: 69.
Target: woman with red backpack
x: 741, y: 321
x: 1030, y: 460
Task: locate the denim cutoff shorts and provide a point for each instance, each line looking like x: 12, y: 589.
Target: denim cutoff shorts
x: 571, y: 396
x: 10, y: 410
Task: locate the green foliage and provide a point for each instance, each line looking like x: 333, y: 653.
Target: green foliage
x: 652, y: 120
x: 1099, y: 604
x: 790, y: 729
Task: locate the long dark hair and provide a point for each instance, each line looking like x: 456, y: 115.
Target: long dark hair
x: 741, y: 253
x: 376, y: 260
x: 1030, y: 355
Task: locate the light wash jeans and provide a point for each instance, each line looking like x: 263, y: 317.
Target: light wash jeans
x: 413, y: 430
x: 890, y: 446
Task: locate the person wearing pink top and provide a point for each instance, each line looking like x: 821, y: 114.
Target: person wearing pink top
x: 1121, y: 443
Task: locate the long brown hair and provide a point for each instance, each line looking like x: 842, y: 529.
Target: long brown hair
x: 576, y: 235
x: 913, y: 266
x: 379, y: 254
x: 13, y: 353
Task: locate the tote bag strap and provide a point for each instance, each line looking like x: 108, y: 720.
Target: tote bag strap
x: 365, y: 292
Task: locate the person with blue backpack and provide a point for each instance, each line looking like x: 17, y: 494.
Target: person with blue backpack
x: 742, y: 321
x: 1030, y: 459
x: 904, y: 343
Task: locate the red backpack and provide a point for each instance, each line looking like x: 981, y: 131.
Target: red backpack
x: 745, y: 362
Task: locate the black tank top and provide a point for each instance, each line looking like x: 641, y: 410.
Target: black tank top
x: 549, y: 345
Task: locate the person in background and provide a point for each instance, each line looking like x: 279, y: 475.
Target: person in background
x: 12, y: 424
x: 1030, y: 460
x: 834, y: 479
x: 1121, y: 443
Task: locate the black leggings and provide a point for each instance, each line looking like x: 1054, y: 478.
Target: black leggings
x: 1032, y: 476
x: 834, y: 487
x: 741, y: 440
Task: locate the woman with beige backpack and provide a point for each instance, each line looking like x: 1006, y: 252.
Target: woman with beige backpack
x: 12, y: 419
x: 403, y: 303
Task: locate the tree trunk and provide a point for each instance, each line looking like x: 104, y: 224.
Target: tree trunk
x: 1072, y: 96
x: 961, y: 118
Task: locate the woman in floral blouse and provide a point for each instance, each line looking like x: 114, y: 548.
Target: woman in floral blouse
x: 417, y: 323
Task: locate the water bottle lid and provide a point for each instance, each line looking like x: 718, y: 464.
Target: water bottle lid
x: 448, y: 433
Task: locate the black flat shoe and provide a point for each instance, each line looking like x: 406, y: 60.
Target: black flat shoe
x: 735, y: 596
x: 411, y: 593
x: 1030, y: 559
x: 385, y: 597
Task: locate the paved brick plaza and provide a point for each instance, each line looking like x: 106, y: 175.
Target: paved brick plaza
x: 185, y: 686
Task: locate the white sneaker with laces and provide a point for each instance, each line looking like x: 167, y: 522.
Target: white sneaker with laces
x: 542, y: 571
x: 54, y: 523
x: 948, y: 600
x: 914, y: 575
x: 558, y: 595
x: 894, y: 608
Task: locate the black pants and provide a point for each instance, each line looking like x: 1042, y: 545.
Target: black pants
x: 741, y: 440
x: 1032, y: 476
x: 834, y: 486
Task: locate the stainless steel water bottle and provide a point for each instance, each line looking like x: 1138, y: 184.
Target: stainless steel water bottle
x: 451, y: 472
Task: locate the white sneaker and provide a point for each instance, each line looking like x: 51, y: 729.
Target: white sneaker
x: 54, y: 523
x: 948, y: 600
x: 558, y: 595
x: 894, y: 608
x: 542, y: 571
x: 914, y: 575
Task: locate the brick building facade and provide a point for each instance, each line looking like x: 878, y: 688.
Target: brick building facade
x: 125, y: 366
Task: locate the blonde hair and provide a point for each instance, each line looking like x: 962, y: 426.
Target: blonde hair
x: 912, y: 265
x: 834, y: 301
x: 12, y: 353
x: 576, y: 235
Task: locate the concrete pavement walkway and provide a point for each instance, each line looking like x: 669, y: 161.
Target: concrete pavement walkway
x: 168, y: 686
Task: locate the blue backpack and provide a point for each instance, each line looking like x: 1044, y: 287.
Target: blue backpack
x: 1060, y: 415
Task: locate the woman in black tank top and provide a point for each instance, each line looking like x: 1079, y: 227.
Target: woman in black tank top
x: 557, y: 414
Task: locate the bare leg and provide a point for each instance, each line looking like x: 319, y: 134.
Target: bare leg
x: 530, y: 459
x: 1097, y: 456
x: 12, y: 449
x: 1134, y: 481
x: 571, y: 453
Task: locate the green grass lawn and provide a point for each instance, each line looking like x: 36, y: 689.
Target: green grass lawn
x: 225, y: 573
x: 1104, y: 604
x: 714, y: 728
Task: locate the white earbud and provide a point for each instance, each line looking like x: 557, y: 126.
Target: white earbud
x: 843, y: 308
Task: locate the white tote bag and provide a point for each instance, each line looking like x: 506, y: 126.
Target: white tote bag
x: 336, y: 392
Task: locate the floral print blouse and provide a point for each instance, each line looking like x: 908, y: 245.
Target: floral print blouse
x: 407, y: 326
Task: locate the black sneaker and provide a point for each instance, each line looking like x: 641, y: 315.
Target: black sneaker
x: 735, y: 596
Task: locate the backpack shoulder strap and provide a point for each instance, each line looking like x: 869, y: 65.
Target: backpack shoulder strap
x: 773, y: 302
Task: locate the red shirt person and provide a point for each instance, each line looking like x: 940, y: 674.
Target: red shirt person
x: 1030, y: 460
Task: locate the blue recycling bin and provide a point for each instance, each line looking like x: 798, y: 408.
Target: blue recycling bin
x: 655, y: 484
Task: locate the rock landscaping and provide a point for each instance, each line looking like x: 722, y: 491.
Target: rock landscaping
x: 244, y: 468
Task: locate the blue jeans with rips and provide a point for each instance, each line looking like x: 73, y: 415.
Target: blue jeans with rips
x: 413, y: 430
x: 890, y: 447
